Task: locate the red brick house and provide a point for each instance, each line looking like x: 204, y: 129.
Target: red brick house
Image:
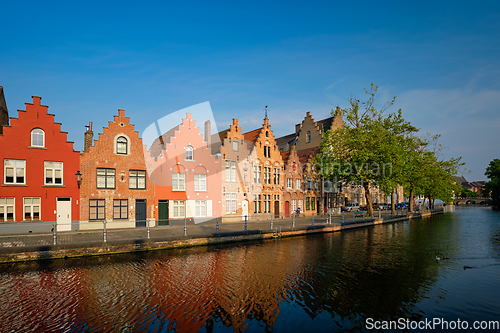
x: 38, y: 175
x: 115, y: 184
x: 187, y: 176
x: 293, y: 193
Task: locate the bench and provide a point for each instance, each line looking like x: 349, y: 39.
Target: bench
x: 358, y: 214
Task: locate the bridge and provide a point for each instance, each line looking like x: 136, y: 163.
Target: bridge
x: 471, y: 201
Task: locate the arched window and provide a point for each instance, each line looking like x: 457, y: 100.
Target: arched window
x: 122, y: 145
x: 308, y: 136
x: 37, y: 138
x: 267, y: 134
x: 189, y: 153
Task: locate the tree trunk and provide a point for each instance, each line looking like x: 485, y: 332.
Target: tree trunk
x: 411, y: 203
x: 368, y: 198
x: 393, y: 204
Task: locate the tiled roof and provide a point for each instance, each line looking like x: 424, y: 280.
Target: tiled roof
x: 284, y: 139
x: 252, y: 135
x: 285, y: 155
x: 306, y: 153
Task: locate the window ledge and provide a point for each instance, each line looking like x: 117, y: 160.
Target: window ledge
x: 189, y: 160
x: 178, y: 190
x: 53, y: 185
x: 35, y: 147
x: 14, y: 185
x: 205, y: 191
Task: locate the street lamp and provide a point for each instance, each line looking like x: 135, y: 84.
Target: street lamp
x: 78, y: 178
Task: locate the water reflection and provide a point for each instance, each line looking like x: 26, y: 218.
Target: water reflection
x: 325, y: 282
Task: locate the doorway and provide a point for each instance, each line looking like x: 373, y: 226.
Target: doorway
x: 140, y: 212
x: 63, y: 208
x: 162, y: 212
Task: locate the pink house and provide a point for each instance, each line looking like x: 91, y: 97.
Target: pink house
x: 186, y: 175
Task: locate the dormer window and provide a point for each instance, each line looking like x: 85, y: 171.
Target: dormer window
x: 122, y: 145
x: 37, y: 138
x: 189, y: 153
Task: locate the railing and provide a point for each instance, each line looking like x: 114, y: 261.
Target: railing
x: 88, y: 233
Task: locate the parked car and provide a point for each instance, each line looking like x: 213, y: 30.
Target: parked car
x: 384, y: 206
x: 402, y: 205
x: 353, y: 207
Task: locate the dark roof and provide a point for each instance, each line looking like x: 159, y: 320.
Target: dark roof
x: 285, y: 155
x: 461, y: 180
x: 325, y: 124
x: 285, y: 139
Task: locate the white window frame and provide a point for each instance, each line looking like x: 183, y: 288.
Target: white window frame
x: 54, y: 168
x: 17, y: 166
x: 179, y: 208
x: 178, y: 182
x: 30, y: 202
x: 230, y: 203
x: 256, y: 174
x: 119, y: 145
x: 267, y: 175
x: 5, y: 204
x: 235, y: 145
x: 289, y: 183
x: 230, y: 171
x: 297, y: 184
x: 200, y: 208
x: 276, y: 176
x: 267, y: 203
x: 256, y: 203
x: 32, y: 137
x: 200, y: 182
x: 189, y: 153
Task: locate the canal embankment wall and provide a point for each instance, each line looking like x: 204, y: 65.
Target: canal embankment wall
x: 71, y: 250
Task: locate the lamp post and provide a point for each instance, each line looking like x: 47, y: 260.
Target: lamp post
x: 78, y: 178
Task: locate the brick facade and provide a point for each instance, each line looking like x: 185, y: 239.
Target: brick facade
x: 114, y: 175
x: 293, y: 190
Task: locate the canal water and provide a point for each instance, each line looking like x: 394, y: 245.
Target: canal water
x: 321, y: 283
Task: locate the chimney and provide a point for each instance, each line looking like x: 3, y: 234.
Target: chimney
x: 297, y: 128
x: 88, y: 138
x: 208, y: 133
x: 4, y: 113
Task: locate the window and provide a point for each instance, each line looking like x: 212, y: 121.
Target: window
x: 105, y: 178
x: 200, y: 182
x: 297, y: 184
x: 178, y: 182
x: 200, y: 208
x: 122, y: 145
x: 230, y: 203
x: 256, y: 174
x: 31, y: 209
x: 37, y: 138
x: 300, y: 204
x: 256, y: 203
x: 313, y: 202
x: 97, y: 209
x: 7, y: 209
x: 289, y: 183
x: 308, y: 137
x: 120, y: 209
x: 267, y: 175
x: 15, y: 172
x: 309, y: 183
x: 230, y: 171
x: 267, y: 151
x: 267, y: 203
x: 137, y: 179
x: 53, y: 173
x: 294, y: 205
x: 316, y: 184
x: 307, y: 203
x: 277, y: 176
x: 178, y: 208
x: 235, y: 145
x: 189, y: 153
x: 267, y: 134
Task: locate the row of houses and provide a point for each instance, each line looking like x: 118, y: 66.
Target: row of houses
x: 182, y: 174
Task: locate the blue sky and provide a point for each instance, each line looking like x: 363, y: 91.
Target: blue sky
x: 88, y: 59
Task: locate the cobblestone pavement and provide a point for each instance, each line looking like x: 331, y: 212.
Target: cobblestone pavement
x: 175, y: 230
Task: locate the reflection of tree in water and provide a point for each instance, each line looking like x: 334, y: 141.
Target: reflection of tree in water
x: 378, y: 273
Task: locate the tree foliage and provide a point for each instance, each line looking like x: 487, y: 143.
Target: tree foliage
x: 493, y: 186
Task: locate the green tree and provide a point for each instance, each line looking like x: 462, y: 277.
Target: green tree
x: 368, y: 151
x: 493, y: 186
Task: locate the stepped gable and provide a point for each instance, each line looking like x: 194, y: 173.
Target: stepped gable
x: 4, y: 112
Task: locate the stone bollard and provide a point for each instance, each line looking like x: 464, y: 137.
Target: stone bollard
x: 217, y: 226
x: 293, y: 220
x: 245, y: 223
x: 54, y: 232
x: 104, y: 232
x: 313, y: 219
x: 343, y: 216
x: 272, y: 221
x: 185, y: 227
x: 147, y: 228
